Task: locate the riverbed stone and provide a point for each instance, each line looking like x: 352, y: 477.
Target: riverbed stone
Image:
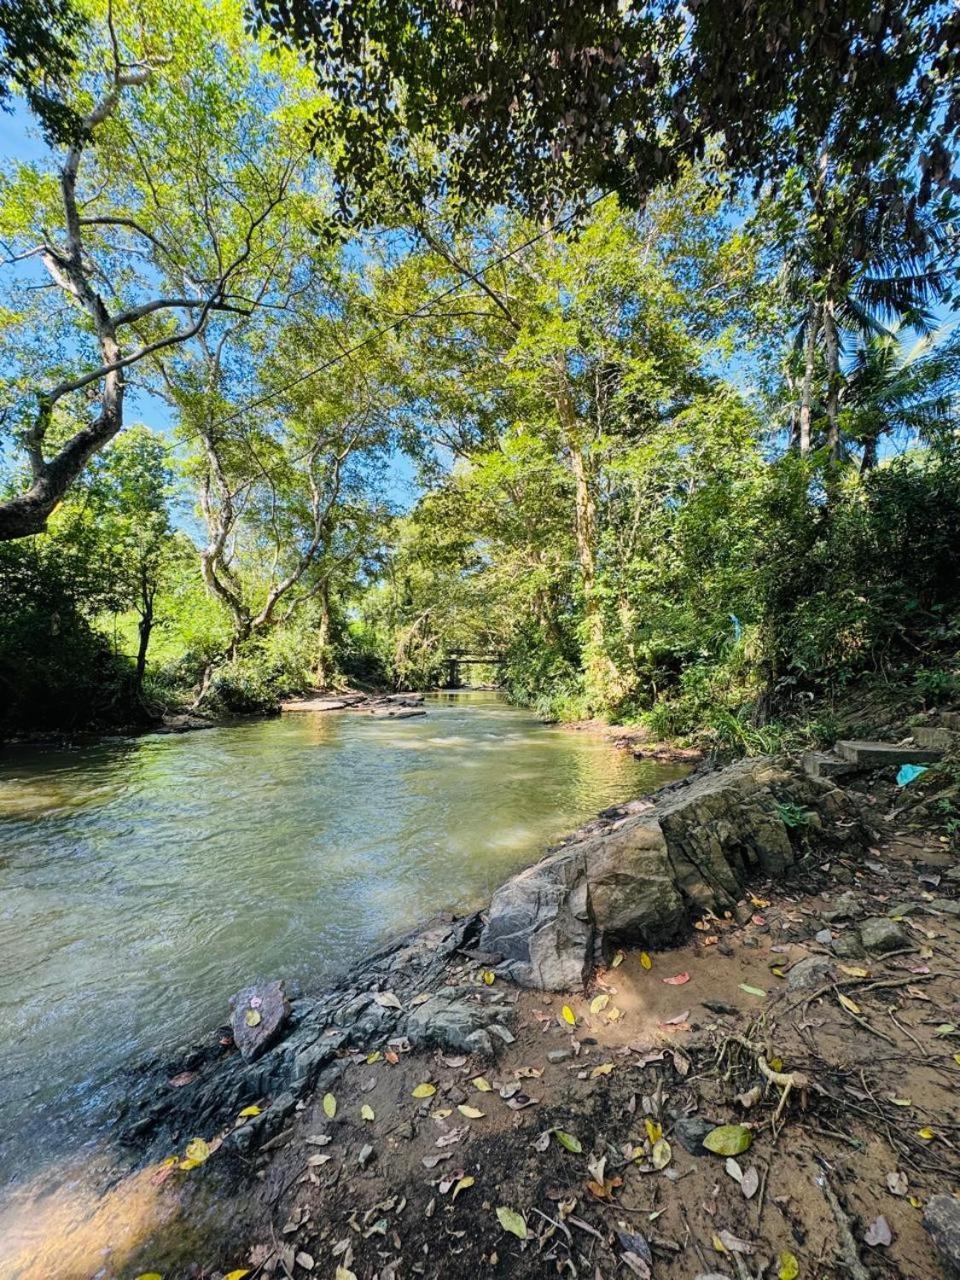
x: 454, y: 1021
x: 810, y: 973
x: 879, y: 934
x: 257, y: 1017
x: 941, y: 1217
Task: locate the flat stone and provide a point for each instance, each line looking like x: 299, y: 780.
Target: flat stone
x: 941, y: 1217
x: 879, y: 934
x: 848, y: 947
x: 847, y: 905
x: 824, y: 764
x: 874, y: 755
x: 450, y: 1021
x: 559, y: 1055
x: 948, y: 905
x: 810, y: 973
x: 257, y: 1017
x: 314, y: 704
x: 952, y: 874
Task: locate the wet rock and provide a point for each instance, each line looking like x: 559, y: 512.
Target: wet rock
x: 941, y: 1217
x: 878, y: 934
x: 453, y: 1022
x: 810, y: 973
x: 690, y: 1132
x: 257, y: 1017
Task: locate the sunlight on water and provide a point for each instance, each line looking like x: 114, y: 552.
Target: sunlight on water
x: 142, y: 881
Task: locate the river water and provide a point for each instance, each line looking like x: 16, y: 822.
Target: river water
x: 144, y: 880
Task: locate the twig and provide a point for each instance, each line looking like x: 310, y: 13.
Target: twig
x: 848, y: 1246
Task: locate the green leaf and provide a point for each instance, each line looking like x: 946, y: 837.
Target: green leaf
x: 728, y: 1139
x: 569, y: 1141
x: 511, y: 1221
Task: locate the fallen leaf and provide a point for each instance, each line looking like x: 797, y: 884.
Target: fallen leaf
x: 734, y: 1170
x: 677, y: 981
x: 248, y: 1111
x: 344, y: 1273
x: 305, y: 1260
x: 471, y: 1112
x: 899, y: 1102
x: 603, y: 1069
x: 854, y: 970
x: 654, y: 1132
x: 599, y: 1003
x: 374, y: 1057
x: 645, y: 960
x: 149, y: 1275
x: 614, y: 1015
x: 878, y: 1232
x: 237, y: 1275
x: 196, y: 1152
x: 489, y: 977
x: 182, y: 1078
x: 789, y: 1267
x: 568, y: 1015
x: 431, y: 1162
x: 661, y: 1153
x: 926, y: 1133
x: 511, y: 1221
x: 750, y: 1182
x: 329, y: 1105
x: 753, y: 991
x: 425, y: 1090
x: 462, y: 1185
x: 618, y: 958
x: 850, y: 1005
x: 732, y: 1243
x: 728, y: 1139
x: 253, y: 1018
x: 569, y: 1141
x: 391, y: 1057
x: 366, y: 1112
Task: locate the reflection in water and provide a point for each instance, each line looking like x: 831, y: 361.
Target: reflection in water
x: 144, y: 881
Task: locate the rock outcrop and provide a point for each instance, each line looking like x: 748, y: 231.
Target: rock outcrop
x: 641, y: 879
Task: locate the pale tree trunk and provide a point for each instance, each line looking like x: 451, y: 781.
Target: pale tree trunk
x: 832, y: 405
x: 806, y: 395
x: 323, y: 669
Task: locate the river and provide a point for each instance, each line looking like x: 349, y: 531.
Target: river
x: 143, y: 880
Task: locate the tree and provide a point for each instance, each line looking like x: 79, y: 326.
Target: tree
x: 147, y: 224
x: 542, y: 103
x: 36, y: 57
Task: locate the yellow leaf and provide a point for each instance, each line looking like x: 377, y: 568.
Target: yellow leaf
x: 660, y: 1156
x: 899, y: 1102
x: 719, y: 1245
x: 442, y: 1112
x: 483, y: 1085
x: 424, y: 1091
x: 617, y: 960
x: 374, y: 1057
x: 777, y: 971
x: 603, y: 1069
x: 854, y: 970
x: 471, y: 1112
x: 344, y: 1273
x: 956, y: 1058
x: 760, y: 903
x: 462, y: 1185
x: 253, y: 1017
x: 237, y: 1275
x: 489, y: 977
x: 599, y: 1003
x: 915, y: 1201
x: 568, y: 1015
x: 149, y: 1275
x: 248, y: 1111
x: 775, y: 1064
x: 197, y: 1151
x: 511, y: 1221
x: 366, y: 1112
x: 926, y: 1133
x: 329, y: 1105
x: 789, y: 1267
x: 614, y: 1014
x: 645, y: 960
x: 654, y: 1132
x: 850, y: 1005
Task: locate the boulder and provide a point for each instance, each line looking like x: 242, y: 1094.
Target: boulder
x: 950, y: 906
x: 941, y: 1217
x: 639, y: 880
x: 879, y: 935
x: 257, y: 1017
x: 453, y: 1020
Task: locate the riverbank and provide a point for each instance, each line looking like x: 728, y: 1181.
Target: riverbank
x: 385, y: 1139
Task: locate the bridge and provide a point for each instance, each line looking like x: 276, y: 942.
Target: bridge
x: 457, y: 658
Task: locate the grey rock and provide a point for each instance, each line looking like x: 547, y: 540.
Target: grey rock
x: 950, y: 906
x: 847, y: 905
x: 364, y: 1155
x: 640, y: 879
x: 264, y: 1004
x: 451, y: 1021
x: 952, y: 874
x: 848, y: 947
x: 559, y: 1055
x: 941, y: 1217
x: 810, y: 973
x: 690, y: 1132
x: 878, y: 934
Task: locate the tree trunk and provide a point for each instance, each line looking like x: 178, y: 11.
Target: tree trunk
x: 144, y: 627
x: 324, y: 672
x: 869, y: 459
x: 806, y: 396
x: 832, y: 406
